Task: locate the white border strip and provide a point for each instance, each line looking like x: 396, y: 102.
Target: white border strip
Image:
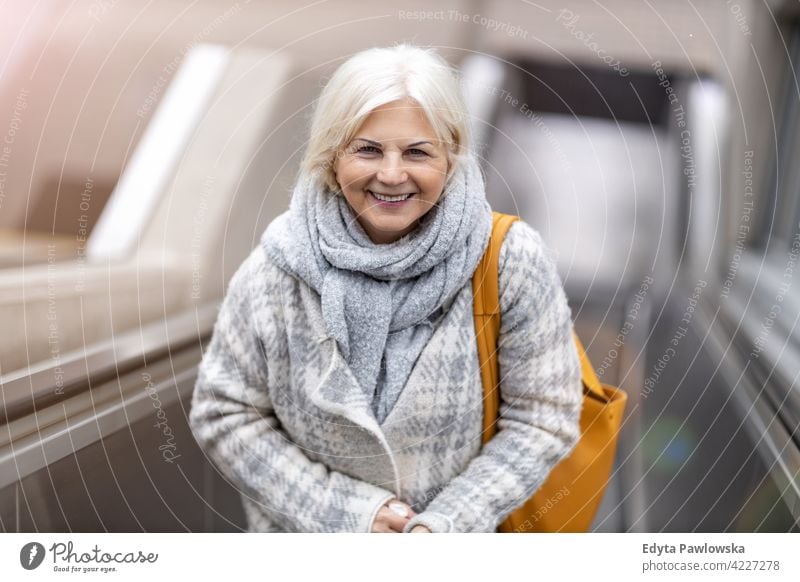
x: 353, y: 557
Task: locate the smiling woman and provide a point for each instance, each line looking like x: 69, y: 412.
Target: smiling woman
x: 389, y: 124
x: 341, y: 390
x: 392, y: 178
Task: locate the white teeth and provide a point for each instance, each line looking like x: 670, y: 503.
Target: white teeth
x: 390, y: 198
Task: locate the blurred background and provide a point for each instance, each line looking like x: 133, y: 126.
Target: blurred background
x: 144, y: 147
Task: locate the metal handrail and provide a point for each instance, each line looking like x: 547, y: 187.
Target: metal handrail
x: 632, y: 368
x: 30, y: 389
x: 775, y: 440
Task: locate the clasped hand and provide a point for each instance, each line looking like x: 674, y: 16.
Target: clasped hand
x: 393, y: 517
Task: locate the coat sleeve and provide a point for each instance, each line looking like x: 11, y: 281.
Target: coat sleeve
x: 233, y: 421
x: 540, y: 395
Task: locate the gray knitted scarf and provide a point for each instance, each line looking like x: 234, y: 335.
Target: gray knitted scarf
x: 370, y: 291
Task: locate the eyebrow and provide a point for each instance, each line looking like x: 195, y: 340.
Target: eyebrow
x: 377, y: 143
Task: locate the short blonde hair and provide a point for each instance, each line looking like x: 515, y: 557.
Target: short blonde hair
x: 378, y: 76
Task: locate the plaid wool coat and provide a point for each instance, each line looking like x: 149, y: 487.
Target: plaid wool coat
x: 278, y: 411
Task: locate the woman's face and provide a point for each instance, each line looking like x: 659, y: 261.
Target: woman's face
x: 394, y: 154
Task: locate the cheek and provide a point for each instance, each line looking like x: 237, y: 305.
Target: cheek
x: 355, y: 173
x: 432, y: 180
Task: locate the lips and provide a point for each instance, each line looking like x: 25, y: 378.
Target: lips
x: 391, y: 198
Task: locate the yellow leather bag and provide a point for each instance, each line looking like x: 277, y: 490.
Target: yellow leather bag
x: 568, y: 499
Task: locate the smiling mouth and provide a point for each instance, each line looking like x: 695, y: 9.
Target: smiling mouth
x: 392, y: 198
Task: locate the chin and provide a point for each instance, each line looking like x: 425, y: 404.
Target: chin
x: 393, y: 230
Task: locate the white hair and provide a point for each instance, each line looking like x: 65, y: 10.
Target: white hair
x: 378, y: 76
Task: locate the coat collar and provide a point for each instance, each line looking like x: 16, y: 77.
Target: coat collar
x: 338, y: 391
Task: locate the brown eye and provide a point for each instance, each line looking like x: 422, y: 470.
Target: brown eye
x: 418, y: 152
x: 368, y: 149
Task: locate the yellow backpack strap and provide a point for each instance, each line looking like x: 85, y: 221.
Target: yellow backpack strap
x: 590, y: 380
x: 486, y: 286
x: 486, y: 310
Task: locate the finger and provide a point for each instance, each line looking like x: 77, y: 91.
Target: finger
x: 393, y: 520
x: 381, y: 524
x: 400, y: 508
x: 411, y: 512
x: 389, y: 519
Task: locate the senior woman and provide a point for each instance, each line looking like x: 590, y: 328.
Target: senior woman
x: 341, y: 391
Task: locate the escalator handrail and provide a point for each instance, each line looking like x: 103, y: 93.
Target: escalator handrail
x: 30, y: 389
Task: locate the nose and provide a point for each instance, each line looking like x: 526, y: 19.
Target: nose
x: 392, y: 172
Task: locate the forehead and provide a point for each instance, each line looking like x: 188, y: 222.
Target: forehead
x: 397, y: 120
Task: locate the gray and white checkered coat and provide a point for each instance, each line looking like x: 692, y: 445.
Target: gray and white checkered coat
x: 280, y: 414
